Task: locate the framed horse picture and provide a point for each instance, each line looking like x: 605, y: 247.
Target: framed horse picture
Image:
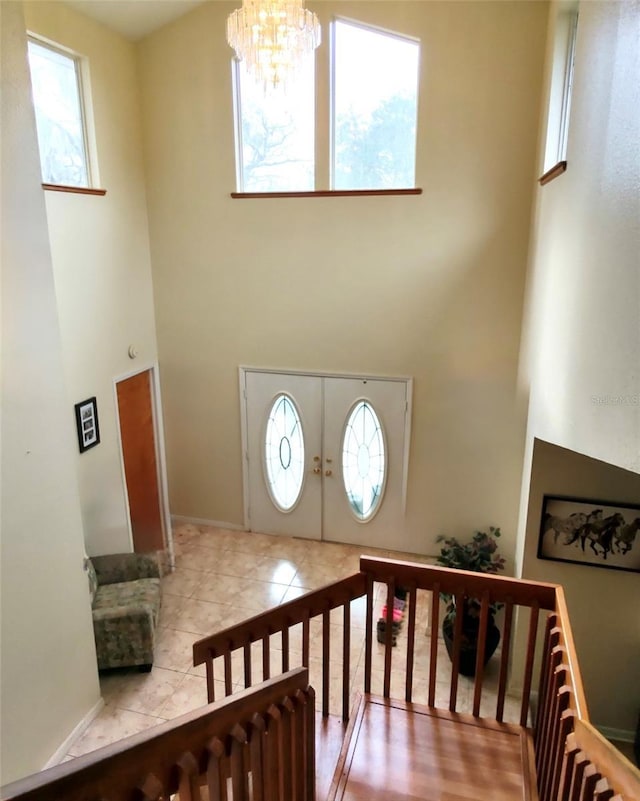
x: 594, y: 533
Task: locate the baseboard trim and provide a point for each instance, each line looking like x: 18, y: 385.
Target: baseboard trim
x: 198, y: 521
x: 623, y: 735
x: 63, y: 750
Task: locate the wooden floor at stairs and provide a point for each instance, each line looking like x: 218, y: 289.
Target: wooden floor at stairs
x: 393, y: 750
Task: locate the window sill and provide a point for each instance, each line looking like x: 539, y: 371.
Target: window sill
x: 554, y: 172
x: 79, y: 190
x: 326, y: 193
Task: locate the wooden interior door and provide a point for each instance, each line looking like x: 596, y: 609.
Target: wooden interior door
x: 137, y: 433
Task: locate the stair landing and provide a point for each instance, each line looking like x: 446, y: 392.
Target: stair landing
x: 395, y: 750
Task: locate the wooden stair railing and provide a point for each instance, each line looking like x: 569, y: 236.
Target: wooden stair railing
x: 561, y: 720
x: 259, y: 744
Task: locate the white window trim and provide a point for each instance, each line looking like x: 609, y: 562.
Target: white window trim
x: 86, y: 105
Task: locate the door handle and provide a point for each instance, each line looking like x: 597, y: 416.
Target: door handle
x: 317, y: 470
x: 328, y: 473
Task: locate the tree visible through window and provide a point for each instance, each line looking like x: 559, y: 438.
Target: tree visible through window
x: 374, y: 118
x: 56, y: 95
x: 374, y: 108
x: 275, y: 133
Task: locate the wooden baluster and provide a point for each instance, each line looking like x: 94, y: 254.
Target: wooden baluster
x: 189, y: 784
x: 560, y: 703
x: 211, y: 693
x: 580, y: 766
x: 266, y: 657
x: 216, y: 782
x: 482, y: 644
x: 433, y: 650
x: 504, y: 659
x: 228, y: 678
x: 286, y: 747
x: 388, y: 639
x: 298, y: 733
x: 305, y: 639
x: 346, y: 659
x: 544, y: 670
x: 412, y: 597
x: 589, y: 780
x: 568, y: 768
x: 457, y: 643
x: 602, y: 791
x: 247, y: 664
x: 272, y: 753
x: 256, y: 743
x: 326, y: 641
x: 238, y: 777
x: 369, y: 635
x: 151, y: 788
x: 546, y: 719
x: 565, y: 727
x: 310, y: 743
x: 285, y: 647
x: 531, y: 650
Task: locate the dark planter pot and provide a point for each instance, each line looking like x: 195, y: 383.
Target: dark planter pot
x: 469, y: 647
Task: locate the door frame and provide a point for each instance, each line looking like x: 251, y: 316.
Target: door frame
x: 242, y: 373
x: 161, y: 460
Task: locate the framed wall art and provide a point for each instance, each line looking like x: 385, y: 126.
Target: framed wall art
x: 594, y: 533
x: 87, y: 424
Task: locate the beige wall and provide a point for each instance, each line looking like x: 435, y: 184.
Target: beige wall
x: 48, y: 677
x: 101, y: 263
x: 583, y: 329
x: 604, y: 605
x: 582, y: 346
x: 428, y: 286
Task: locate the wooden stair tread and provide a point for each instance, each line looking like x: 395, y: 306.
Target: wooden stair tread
x: 394, y: 750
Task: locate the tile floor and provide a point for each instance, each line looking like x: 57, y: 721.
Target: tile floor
x: 223, y: 577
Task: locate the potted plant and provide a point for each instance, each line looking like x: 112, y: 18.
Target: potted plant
x: 479, y: 555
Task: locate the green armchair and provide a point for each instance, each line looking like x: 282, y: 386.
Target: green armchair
x: 125, y: 602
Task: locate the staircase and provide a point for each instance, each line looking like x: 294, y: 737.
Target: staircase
x: 274, y: 741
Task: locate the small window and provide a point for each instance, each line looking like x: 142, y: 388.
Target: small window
x: 561, y: 88
x: 375, y: 101
x: 275, y: 132
x: 57, y: 97
x: 363, y: 461
x: 284, y: 453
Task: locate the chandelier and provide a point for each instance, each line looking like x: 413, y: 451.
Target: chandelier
x: 272, y: 37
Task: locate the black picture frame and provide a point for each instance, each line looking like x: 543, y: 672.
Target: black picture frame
x: 87, y: 424
x: 592, y: 533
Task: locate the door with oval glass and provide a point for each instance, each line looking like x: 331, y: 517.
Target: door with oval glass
x: 325, y: 456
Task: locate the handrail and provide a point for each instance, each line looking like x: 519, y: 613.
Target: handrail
x: 568, y: 643
x: 220, y: 740
x: 449, y: 580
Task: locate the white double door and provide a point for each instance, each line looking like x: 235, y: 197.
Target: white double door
x: 327, y: 414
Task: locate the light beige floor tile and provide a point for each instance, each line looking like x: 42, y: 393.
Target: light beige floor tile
x: 312, y: 575
x: 235, y: 563
x: 173, y: 649
x: 198, y: 558
x: 146, y: 692
x: 111, y: 725
x: 199, y: 617
x: 279, y: 571
x: 258, y: 595
x: 189, y: 695
x: 181, y: 582
x: 215, y: 588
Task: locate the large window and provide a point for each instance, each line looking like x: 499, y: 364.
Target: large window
x: 372, y: 118
x: 561, y: 86
x: 375, y: 99
x: 57, y: 97
x: 275, y: 133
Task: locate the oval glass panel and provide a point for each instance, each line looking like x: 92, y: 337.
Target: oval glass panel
x: 363, y: 461
x: 284, y: 453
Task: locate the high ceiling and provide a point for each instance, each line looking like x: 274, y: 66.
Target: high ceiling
x: 134, y: 18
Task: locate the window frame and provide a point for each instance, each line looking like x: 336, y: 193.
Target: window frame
x: 332, y: 97
x: 560, y: 93
x: 83, y: 84
x: 324, y: 139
